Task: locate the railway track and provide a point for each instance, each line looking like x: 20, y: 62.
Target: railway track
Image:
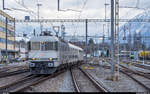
x: 26, y: 82
x: 79, y: 81
x: 144, y: 80
x: 140, y: 73
x: 6, y: 74
x: 142, y: 66
x: 145, y: 75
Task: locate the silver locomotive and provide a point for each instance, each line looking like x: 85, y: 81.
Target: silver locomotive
x: 48, y: 53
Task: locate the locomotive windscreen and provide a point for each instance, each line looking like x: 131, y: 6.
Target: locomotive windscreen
x: 35, y: 46
x: 44, y: 46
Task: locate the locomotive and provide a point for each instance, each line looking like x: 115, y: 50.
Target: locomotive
x: 49, y: 53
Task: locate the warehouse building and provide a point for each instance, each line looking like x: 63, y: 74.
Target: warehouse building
x: 8, y: 25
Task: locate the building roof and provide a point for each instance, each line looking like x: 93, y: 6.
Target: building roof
x: 6, y: 15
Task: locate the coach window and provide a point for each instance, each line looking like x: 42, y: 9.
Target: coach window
x: 35, y: 46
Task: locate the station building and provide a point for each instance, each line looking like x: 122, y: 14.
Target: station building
x: 10, y: 35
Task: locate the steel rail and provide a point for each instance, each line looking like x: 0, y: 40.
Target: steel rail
x: 143, y: 74
x: 126, y: 72
x: 146, y: 87
x: 7, y: 87
x: 137, y: 73
x: 39, y: 81
x: 94, y: 81
x: 142, y: 66
x: 6, y: 74
x: 24, y: 83
x: 76, y: 86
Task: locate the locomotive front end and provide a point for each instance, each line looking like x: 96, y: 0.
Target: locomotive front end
x: 43, y: 55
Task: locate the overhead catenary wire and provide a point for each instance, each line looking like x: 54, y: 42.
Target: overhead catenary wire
x: 31, y: 12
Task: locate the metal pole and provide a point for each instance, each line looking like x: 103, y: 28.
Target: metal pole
x: 6, y: 41
x: 38, y: 12
x: 86, y: 29
x: 34, y: 32
x: 112, y: 36
x: 107, y: 24
x: 103, y: 41
x: 14, y: 35
x: 143, y: 51
x: 3, y: 5
x: 58, y: 5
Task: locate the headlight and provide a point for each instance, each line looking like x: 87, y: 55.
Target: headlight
x: 32, y: 64
x: 50, y: 64
x: 51, y: 59
x: 33, y: 58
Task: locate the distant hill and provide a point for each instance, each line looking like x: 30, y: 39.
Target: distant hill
x: 136, y: 27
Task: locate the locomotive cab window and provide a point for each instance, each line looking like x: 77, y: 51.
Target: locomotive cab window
x: 51, y: 46
x: 35, y: 46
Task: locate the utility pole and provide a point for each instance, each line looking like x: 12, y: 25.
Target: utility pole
x: 116, y: 38
x: 6, y: 25
x: 34, y: 32
x: 86, y: 31
x: 124, y: 37
x: 103, y: 41
x: 38, y: 11
x: 143, y: 51
x: 106, y: 4
x: 3, y: 5
x: 58, y: 8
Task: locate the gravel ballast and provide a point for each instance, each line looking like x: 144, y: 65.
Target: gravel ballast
x: 7, y: 80
x: 56, y: 84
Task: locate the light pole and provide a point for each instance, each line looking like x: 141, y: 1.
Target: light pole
x: 38, y: 11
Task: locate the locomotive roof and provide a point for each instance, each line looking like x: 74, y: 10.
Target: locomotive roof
x: 75, y: 47
x: 53, y: 39
x: 44, y: 38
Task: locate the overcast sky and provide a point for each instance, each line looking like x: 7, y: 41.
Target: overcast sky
x: 89, y: 8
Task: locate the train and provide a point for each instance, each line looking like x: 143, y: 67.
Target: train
x: 48, y: 53
x: 136, y: 54
x: 144, y: 55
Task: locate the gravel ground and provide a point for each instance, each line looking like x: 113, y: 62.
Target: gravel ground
x: 67, y: 85
x: 125, y: 84
x: 84, y: 83
x: 61, y: 83
x: 7, y: 80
